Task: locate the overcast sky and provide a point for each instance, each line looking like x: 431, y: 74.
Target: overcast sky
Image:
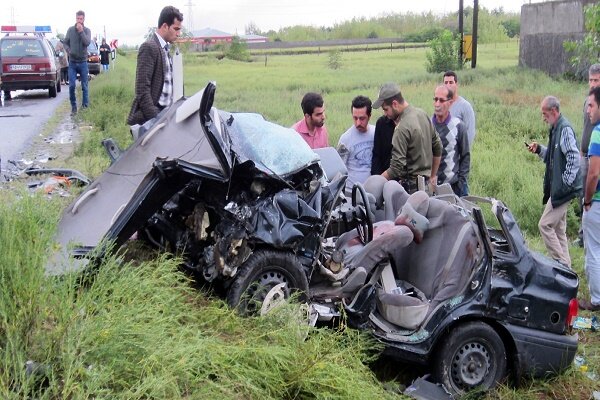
x: 129, y: 20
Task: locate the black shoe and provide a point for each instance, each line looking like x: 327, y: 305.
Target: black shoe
x: 73, y: 111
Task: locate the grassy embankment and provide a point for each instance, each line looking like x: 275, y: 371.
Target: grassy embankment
x: 144, y: 332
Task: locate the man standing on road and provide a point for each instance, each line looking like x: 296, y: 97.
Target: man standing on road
x: 593, y: 81
x: 591, y: 207
x: 104, y: 55
x: 312, y: 127
x: 154, y: 72
x: 416, y: 147
x: 562, y: 179
x: 77, y: 39
x: 456, y: 156
x: 356, y: 144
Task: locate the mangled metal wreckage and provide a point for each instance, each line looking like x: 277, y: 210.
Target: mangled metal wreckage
x: 255, y: 211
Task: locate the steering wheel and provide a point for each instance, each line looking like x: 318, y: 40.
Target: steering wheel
x: 362, y: 214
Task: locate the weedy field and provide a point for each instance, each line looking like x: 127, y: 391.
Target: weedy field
x: 143, y: 330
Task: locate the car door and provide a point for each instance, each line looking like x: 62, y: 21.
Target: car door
x: 189, y: 131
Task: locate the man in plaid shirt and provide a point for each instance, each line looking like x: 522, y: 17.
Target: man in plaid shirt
x: 154, y: 73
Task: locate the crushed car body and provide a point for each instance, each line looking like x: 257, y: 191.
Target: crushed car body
x: 441, y: 280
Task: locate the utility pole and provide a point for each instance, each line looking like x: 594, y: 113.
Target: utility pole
x: 190, y: 16
x: 461, y: 31
x: 475, y: 23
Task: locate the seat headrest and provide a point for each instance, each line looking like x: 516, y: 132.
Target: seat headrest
x: 374, y: 185
x: 414, y: 213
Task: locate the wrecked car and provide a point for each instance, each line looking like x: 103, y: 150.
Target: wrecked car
x: 253, y: 210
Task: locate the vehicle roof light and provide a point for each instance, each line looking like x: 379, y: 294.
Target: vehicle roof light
x: 26, y: 29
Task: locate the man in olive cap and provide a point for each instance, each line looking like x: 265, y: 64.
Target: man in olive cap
x: 416, y: 146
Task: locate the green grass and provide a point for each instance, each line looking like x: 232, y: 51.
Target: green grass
x: 142, y: 330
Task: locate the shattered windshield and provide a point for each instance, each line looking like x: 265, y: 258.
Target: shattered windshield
x: 272, y: 147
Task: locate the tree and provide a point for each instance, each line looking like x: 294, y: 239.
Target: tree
x: 587, y: 51
x: 335, y: 59
x: 444, y: 53
x: 238, y: 50
x: 512, y: 27
x: 252, y: 29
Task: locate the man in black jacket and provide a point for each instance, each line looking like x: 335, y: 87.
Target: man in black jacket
x: 382, y: 145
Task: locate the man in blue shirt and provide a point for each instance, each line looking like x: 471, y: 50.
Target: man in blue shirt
x: 591, y: 207
x: 356, y: 144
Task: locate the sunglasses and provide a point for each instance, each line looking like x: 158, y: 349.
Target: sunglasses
x: 440, y: 99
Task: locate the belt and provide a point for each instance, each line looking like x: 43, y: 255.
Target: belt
x: 411, y: 184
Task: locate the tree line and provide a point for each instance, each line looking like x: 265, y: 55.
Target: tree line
x: 494, y: 26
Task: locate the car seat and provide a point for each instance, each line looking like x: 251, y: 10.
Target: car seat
x: 436, y: 270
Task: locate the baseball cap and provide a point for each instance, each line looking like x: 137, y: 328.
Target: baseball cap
x: 387, y: 91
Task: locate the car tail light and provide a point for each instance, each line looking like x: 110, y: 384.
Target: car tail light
x: 44, y: 67
x: 572, y: 313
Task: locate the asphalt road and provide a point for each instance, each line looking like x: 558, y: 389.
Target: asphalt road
x: 24, y: 117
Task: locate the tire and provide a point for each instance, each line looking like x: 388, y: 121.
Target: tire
x: 262, y: 272
x: 471, y: 356
x: 58, y: 85
x: 52, y: 91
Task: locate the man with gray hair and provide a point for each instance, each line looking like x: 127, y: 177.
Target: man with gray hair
x: 593, y: 81
x: 562, y: 179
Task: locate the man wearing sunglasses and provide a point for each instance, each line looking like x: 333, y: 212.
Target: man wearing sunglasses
x: 416, y: 147
x: 456, y: 156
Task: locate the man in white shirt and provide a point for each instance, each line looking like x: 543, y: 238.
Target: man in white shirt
x: 460, y: 108
x: 356, y: 144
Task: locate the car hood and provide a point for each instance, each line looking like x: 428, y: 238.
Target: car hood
x: 190, y: 131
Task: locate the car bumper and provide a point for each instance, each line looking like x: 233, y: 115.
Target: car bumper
x: 19, y: 84
x: 94, y: 68
x: 540, y: 353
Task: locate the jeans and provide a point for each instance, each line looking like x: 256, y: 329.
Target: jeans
x: 591, y: 238
x: 105, y: 67
x: 583, y: 165
x: 64, y: 74
x: 80, y: 68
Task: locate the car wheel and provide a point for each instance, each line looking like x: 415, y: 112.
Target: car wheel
x: 52, y: 91
x: 263, y: 271
x: 471, y: 356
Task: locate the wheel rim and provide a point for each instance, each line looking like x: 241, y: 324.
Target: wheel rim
x: 470, y: 365
x: 260, y: 287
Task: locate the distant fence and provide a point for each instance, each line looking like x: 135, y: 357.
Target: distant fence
x: 322, y: 43
x: 318, y: 46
